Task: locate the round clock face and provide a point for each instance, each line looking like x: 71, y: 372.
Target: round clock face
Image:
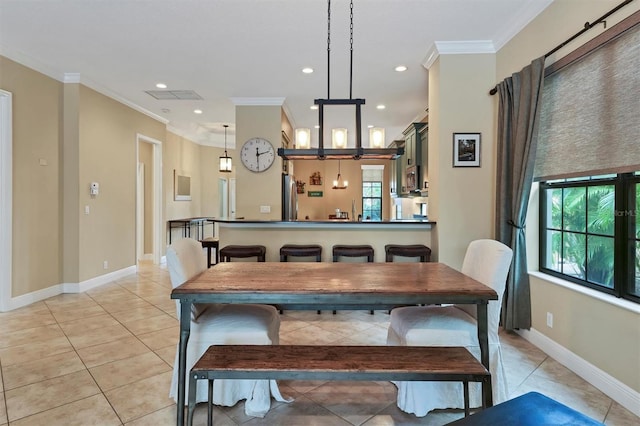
x: 257, y: 154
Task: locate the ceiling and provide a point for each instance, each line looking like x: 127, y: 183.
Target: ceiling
x: 253, y: 51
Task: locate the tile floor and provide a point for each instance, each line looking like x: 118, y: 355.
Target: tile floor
x: 77, y: 359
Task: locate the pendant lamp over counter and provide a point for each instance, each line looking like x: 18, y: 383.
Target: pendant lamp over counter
x: 225, y: 160
x: 339, y: 183
x: 339, y: 149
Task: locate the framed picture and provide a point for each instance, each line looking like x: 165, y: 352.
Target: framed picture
x: 181, y: 187
x: 466, y: 150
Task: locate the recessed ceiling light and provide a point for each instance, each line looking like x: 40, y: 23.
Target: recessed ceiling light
x: 401, y: 68
x: 307, y: 70
x: 197, y: 111
x: 161, y: 86
x: 317, y: 126
x: 314, y: 107
x: 381, y: 106
x: 370, y: 126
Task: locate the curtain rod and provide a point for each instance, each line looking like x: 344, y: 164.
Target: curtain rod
x: 587, y: 27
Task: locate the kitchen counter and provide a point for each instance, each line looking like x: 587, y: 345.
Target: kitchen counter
x: 340, y: 223
x: 274, y: 234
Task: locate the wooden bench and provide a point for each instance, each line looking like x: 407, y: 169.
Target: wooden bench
x: 370, y: 363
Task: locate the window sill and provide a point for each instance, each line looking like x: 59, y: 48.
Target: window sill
x: 607, y: 298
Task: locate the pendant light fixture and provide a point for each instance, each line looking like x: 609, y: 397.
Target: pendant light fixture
x: 341, y: 152
x: 225, y: 160
x: 339, y: 183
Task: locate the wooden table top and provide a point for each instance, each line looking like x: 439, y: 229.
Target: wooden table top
x: 329, y: 278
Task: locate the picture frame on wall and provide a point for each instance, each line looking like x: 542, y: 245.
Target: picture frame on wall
x: 181, y: 186
x: 466, y: 150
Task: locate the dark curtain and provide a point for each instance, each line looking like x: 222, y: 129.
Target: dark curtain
x: 518, y: 114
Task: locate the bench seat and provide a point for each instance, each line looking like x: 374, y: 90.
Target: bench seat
x: 370, y: 363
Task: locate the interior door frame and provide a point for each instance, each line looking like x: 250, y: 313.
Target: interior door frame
x: 156, y: 226
x: 6, y: 199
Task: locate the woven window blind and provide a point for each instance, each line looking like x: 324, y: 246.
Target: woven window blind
x: 590, y: 115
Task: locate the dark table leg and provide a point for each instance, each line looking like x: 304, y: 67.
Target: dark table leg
x: 483, y: 340
x: 185, y: 329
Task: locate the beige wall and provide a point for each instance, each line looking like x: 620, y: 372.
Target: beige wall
x: 108, y: 132
x: 37, y: 129
x: 599, y: 332
x: 461, y: 199
x: 201, y: 164
x: 319, y: 208
x: 259, y: 189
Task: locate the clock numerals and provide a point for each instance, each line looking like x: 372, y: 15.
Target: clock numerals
x: 257, y: 154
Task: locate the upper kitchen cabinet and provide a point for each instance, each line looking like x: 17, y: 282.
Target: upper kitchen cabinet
x: 424, y: 159
x: 396, y: 170
x: 411, y: 163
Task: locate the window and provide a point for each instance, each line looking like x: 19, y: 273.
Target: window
x: 590, y: 232
x: 372, y: 200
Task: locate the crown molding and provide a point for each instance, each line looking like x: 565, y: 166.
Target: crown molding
x: 71, y: 77
x: 469, y: 47
x: 257, y: 101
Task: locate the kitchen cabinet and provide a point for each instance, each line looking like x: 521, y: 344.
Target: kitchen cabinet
x: 411, y: 161
x: 424, y: 159
x: 395, y: 170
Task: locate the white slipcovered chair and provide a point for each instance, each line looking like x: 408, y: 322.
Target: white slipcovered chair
x: 220, y: 324
x: 488, y: 262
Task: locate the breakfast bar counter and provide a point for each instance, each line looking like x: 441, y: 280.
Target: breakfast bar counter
x: 275, y: 234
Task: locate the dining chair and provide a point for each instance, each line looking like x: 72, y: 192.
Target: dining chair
x: 488, y: 262
x: 222, y: 324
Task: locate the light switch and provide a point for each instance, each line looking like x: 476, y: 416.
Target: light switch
x: 86, y: 209
x: 265, y: 209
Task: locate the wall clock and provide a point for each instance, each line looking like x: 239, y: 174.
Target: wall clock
x: 257, y: 154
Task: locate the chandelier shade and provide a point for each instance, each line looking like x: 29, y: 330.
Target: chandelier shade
x: 341, y: 152
x: 225, y: 163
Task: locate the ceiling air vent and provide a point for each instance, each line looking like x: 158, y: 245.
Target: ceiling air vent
x: 183, y: 95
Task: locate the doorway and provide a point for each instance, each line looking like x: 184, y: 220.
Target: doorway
x: 148, y: 199
x: 223, y: 194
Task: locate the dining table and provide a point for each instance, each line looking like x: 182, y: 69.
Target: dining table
x: 329, y: 286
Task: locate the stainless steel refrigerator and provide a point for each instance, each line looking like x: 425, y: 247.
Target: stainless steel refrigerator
x: 289, y: 198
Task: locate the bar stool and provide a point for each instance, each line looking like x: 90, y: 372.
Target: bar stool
x: 242, y: 251
x: 301, y: 250
x: 407, y: 250
x: 348, y: 250
x: 209, y: 243
x: 352, y: 251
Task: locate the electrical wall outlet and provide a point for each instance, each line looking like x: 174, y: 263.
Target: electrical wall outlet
x: 265, y: 209
x: 549, y: 320
x: 105, y: 264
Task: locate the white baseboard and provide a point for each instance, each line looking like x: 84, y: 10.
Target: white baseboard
x: 35, y: 296
x: 612, y: 387
x: 98, y: 281
x: 54, y: 290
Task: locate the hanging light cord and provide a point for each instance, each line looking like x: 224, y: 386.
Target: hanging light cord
x: 329, y: 49
x: 351, y: 51
x: 225, y: 138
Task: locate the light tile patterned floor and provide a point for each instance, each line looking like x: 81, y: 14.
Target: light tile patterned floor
x: 75, y: 359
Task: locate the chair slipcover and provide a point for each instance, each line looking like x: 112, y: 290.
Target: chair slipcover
x: 487, y: 261
x: 222, y: 324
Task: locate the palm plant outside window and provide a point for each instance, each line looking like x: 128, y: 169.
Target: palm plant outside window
x: 590, y: 232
